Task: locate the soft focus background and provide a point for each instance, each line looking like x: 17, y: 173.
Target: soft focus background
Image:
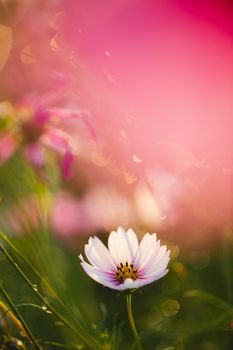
x: 116, y: 113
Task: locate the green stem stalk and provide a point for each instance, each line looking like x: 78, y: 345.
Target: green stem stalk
x: 131, y: 321
x: 44, y: 280
x: 25, y: 326
x: 81, y: 334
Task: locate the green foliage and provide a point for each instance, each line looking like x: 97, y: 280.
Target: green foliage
x: 64, y: 309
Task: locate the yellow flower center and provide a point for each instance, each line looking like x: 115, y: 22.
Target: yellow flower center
x: 126, y: 271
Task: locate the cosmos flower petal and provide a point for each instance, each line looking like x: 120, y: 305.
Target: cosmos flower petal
x: 156, y: 268
x: 104, y: 252
x: 99, y: 276
x: 154, y: 257
x: 122, y: 245
x: 130, y: 284
x: 133, y: 241
x: 98, y: 255
x: 162, y: 260
x: 148, y: 248
x: 154, y: 278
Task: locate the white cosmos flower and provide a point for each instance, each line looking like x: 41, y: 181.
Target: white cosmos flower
x: 126, y: 264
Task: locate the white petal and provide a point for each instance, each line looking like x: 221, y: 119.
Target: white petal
x: 98, y: 254
x: 81, y: 257
x: 122, y: 245
x: 104, y: 252
x: 148, y: 248
x: 157, y: 267
x: 155, y: 259
x: 154, y: 278
x: 129, y: 284
x: 99, y: 276
x: 133, y: 241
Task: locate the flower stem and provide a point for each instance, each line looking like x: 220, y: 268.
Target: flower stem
x: 131, y: 321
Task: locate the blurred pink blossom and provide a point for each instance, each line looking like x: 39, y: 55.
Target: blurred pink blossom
x: 35, y: 155
x: 44, y: 127
x: 7, y: 146
x: 69, y: 217
x: 100, y: 209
